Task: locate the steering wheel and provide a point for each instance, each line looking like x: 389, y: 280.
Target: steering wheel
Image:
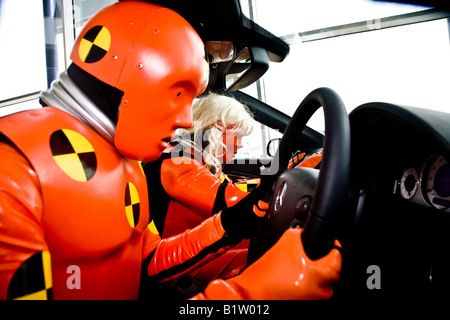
x: 312, y: 199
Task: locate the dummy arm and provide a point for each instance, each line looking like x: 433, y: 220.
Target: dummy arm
x: 180, y: 254
x: 21, y: 234
x: 189, y: 182
x: 185, y: 252
x: 283, y: 272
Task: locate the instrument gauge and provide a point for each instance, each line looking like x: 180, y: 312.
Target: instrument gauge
x: 409, y: 183
x: 437, y: 183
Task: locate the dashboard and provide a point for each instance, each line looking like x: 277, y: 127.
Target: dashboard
x: 403, y: 151
x: 399, y: 218
x: 426, y: 183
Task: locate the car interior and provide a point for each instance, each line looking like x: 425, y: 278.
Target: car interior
x: 382, y: 188
x: 383, y: 185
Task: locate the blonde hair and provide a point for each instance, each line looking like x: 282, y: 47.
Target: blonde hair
x: 212, y: 114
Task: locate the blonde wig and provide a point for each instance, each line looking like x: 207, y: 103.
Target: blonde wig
x: 213, y: 114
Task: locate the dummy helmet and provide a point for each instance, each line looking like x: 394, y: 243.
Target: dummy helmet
x: 156, y: 59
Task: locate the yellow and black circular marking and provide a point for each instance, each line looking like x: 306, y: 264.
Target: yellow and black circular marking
x: 247, y: 186
x: 94, y: 44
x: 152, y: 227
x: 33, y: 279
x: 74, y: 154
x: 132, y: 204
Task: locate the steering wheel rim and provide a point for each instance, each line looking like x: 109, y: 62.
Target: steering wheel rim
x: 331, y: 191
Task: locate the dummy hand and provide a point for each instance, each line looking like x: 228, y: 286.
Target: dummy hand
x: 283, y: 272
x: 246, y: 218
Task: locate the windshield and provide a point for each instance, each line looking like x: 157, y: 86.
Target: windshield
x: 365, y: 50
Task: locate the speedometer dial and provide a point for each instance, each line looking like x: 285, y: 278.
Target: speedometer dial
x: 409, y: 183
x: 437, y: 183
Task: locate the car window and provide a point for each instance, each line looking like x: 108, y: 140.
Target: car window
x: 36, y: 38
x: 378, y: 51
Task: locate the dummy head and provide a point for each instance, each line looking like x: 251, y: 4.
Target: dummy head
x: 156, y: 59
x: 220, y: 121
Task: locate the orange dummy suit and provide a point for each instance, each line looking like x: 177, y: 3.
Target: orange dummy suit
x: 183, y: 193
x: 186, y: 192
x: 93, y: 219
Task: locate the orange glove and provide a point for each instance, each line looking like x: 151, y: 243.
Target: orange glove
x: 312, y: 161
x: 283, y: 272
x: 298, y: 160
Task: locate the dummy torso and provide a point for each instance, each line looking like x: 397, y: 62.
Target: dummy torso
x: 101, y: 214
